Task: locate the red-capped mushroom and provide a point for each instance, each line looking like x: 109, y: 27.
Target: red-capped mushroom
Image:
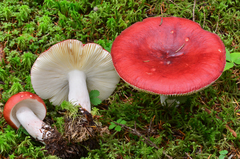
x: 28, y: 110
x: 168, y: 56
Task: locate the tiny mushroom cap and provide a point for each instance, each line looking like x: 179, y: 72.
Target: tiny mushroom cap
x: 168, y: 56
x: 69, y: 70
x: 26, y: 109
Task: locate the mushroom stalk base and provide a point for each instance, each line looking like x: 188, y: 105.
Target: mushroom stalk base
x: 31, y: 122
x: 78, y: 92
x: 165, y: 101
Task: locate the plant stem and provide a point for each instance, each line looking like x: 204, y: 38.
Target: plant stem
x: 78, y: 92
x: 164, y: 99
x: 194, y: 4
x: 30, y: 122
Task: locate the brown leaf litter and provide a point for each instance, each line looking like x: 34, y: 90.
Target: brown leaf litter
x: 2, y: 54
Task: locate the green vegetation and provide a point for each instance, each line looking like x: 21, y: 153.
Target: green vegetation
x: 223, y: 154
x: 28, y: 28
x: 232, y: 58
x: 117, y: 127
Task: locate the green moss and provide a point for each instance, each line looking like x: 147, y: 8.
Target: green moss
x: 27, y: 28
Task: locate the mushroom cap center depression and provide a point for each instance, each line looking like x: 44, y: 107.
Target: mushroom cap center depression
x: 167, y: 56
x: 166, y: 59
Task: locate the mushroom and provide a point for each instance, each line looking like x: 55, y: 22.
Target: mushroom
x: 69, y: 70
x: 168, y: 56
x: 28, y: 110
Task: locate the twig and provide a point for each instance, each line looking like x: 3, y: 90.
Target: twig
x: 146, y: 140
x: 232, y: 155
x: 149, y: 129
x: 217, y: 25
x: 204, y: 17
x: 180, y: 48
x: 173, y: 2
x: 161, y: 8
x: 194, y: 4
x: 161, y: 21
x: 2, y: 53
x: 209, y: 156
x: 188, y: 155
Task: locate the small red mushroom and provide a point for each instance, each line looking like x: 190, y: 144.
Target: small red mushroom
x: 168, y: 56
x: 28, y: 110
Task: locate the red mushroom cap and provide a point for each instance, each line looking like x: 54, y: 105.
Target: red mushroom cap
x: 34, y: 102
x: 168, y: 56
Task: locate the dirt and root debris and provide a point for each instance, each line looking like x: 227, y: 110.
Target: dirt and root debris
x: 81, y: 135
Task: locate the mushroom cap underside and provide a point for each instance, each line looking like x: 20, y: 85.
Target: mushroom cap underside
x: 32, y: 101
x: 49, y: 73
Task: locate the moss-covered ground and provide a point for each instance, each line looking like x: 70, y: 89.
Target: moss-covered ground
x: 195, y: 129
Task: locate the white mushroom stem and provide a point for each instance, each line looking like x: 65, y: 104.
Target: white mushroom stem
x: 78, y: 92
x: 164, y: 100
x: 31, y: 122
